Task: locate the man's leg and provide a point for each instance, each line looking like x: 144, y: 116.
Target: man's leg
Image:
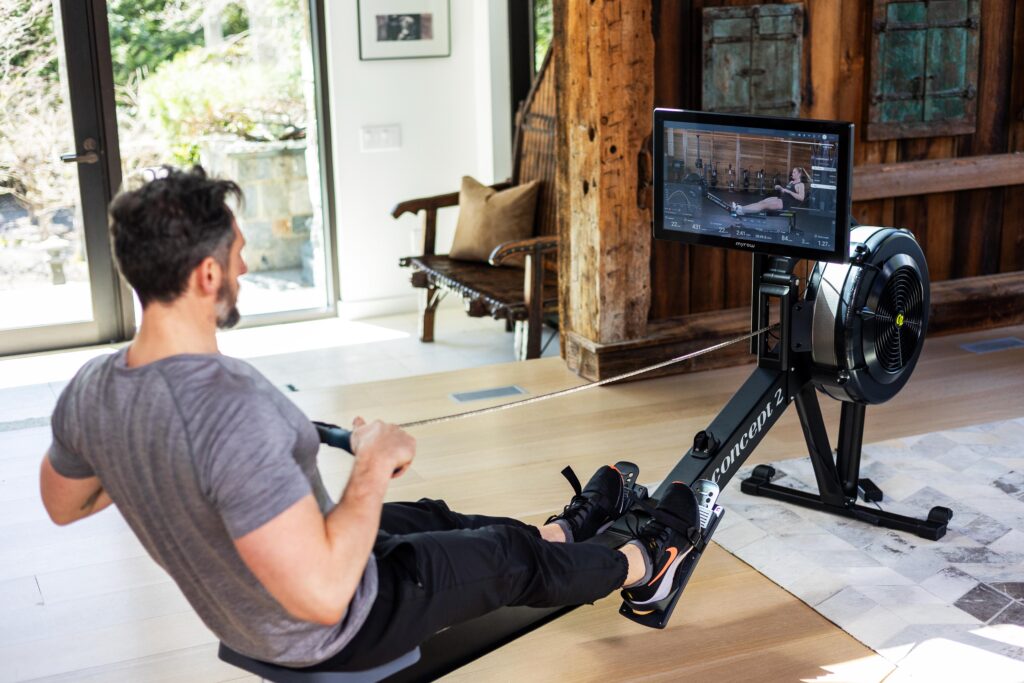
x: 434, y: 515
x: 437, y: 567
x: 429, y: 581
x: 432, y: 580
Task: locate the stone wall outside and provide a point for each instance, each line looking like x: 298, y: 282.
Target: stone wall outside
x: 277, y: 214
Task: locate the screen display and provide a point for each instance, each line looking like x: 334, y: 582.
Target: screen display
x: 777, y: 186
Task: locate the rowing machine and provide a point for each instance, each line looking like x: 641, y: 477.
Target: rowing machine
x: 856, y: 336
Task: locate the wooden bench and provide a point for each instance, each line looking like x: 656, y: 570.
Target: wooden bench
x: 519, y: 295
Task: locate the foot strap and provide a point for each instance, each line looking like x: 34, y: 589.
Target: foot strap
x: 573, y: 480
x: 692, y: 533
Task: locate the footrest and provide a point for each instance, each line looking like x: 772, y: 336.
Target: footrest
x: 661, y: 611
x: 630, y: 472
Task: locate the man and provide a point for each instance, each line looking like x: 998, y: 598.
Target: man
x: 215, y: 471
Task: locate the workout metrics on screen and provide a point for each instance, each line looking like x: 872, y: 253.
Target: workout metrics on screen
x: 742, y: 183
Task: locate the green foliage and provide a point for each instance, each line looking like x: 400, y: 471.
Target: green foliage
x: 543, y: 27
x: 235, y: 20
x: 27, y: 42
x: 205, y: 92
x: 145, y: 33
x: 171, y: 90
x: 34, y: 124
x: 37, y: 29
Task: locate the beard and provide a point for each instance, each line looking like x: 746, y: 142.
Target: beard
x: 227, y: 309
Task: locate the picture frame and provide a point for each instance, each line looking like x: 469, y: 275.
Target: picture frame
x: 404, y: 29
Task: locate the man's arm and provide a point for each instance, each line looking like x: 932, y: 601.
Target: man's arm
x: 312, y: 564
x: 67, y: 500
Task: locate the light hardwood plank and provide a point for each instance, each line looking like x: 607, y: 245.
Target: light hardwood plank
x: 69, y: 619
x: 20, y: 442
x: 100, y: 579
x: 19, y: 593
x: 192, y: 665
x: 102, y: 646
x: 73, y: 552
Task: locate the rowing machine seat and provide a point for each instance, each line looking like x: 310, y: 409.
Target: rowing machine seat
x: 281, y: 674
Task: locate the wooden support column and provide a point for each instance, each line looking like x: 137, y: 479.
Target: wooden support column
x: 605, y: 92
x: 823, y: 60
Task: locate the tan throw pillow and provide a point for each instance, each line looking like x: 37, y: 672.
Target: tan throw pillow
x: 488, y: 217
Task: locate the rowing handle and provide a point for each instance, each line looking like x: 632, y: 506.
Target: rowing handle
x: 335, y: 436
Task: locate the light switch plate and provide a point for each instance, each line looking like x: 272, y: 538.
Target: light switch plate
x: 379, y: 138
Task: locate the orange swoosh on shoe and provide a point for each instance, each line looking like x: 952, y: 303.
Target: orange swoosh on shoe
x: 673, y: 551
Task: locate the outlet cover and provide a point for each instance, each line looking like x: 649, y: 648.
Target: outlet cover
x: 380, y: 138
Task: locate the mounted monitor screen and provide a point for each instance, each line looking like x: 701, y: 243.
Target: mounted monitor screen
x: 772, y: 185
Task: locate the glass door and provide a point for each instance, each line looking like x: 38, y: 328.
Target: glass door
x: 58, y: 285
x: 232, y: 85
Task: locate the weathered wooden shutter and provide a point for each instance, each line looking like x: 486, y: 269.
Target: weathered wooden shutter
x: 924, y: 68
x: 752, y: 59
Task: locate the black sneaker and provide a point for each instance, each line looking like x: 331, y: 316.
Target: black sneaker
x: 592, y: 510
x: 668, y: 539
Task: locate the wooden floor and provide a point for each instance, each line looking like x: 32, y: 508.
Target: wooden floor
x: 110, y: 614
x: 733, y: 624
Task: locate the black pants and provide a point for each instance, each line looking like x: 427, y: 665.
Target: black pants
x: 438, y: 568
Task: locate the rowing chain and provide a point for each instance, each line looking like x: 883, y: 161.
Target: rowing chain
x: 585, y: 387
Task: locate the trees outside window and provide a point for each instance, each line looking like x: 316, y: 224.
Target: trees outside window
x: 226, y: 83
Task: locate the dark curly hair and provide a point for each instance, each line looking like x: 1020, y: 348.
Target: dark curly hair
x: 164, y: 229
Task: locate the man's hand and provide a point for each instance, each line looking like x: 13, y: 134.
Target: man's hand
x: 383, y: 443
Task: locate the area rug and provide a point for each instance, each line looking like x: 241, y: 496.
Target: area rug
x: 951, y: 609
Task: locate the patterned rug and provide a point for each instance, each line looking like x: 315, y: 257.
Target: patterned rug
x: 951, y: 609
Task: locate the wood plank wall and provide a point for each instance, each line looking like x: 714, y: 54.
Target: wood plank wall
x: 977, y: 232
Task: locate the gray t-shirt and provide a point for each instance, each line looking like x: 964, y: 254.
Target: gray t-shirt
x: 197, y: 450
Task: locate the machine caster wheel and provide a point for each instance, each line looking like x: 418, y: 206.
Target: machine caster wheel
x: 940, y: 515
x: 763, y: 473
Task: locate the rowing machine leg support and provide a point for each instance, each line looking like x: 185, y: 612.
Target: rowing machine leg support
x: 662, y: 611
x: 933, y: 528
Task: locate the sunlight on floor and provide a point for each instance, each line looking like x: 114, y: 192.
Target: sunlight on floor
x: 941, y: 659
x: 936, y: 659
x: 1010, y: 634
x: 324, y: 352
x: 864, y: 670
x: 305, y: 336
x: 249, y: 343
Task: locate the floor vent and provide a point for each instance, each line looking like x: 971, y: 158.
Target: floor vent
x: 991, y: 345
x: 496, y: 392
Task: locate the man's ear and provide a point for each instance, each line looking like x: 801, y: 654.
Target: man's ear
x: 208, y: 276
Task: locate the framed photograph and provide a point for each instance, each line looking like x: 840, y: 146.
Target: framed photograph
x: 404, y: 29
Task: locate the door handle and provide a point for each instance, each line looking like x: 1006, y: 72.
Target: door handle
x: 90, y: 156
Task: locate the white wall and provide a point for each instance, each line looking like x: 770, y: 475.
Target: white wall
x: 455, y: 121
